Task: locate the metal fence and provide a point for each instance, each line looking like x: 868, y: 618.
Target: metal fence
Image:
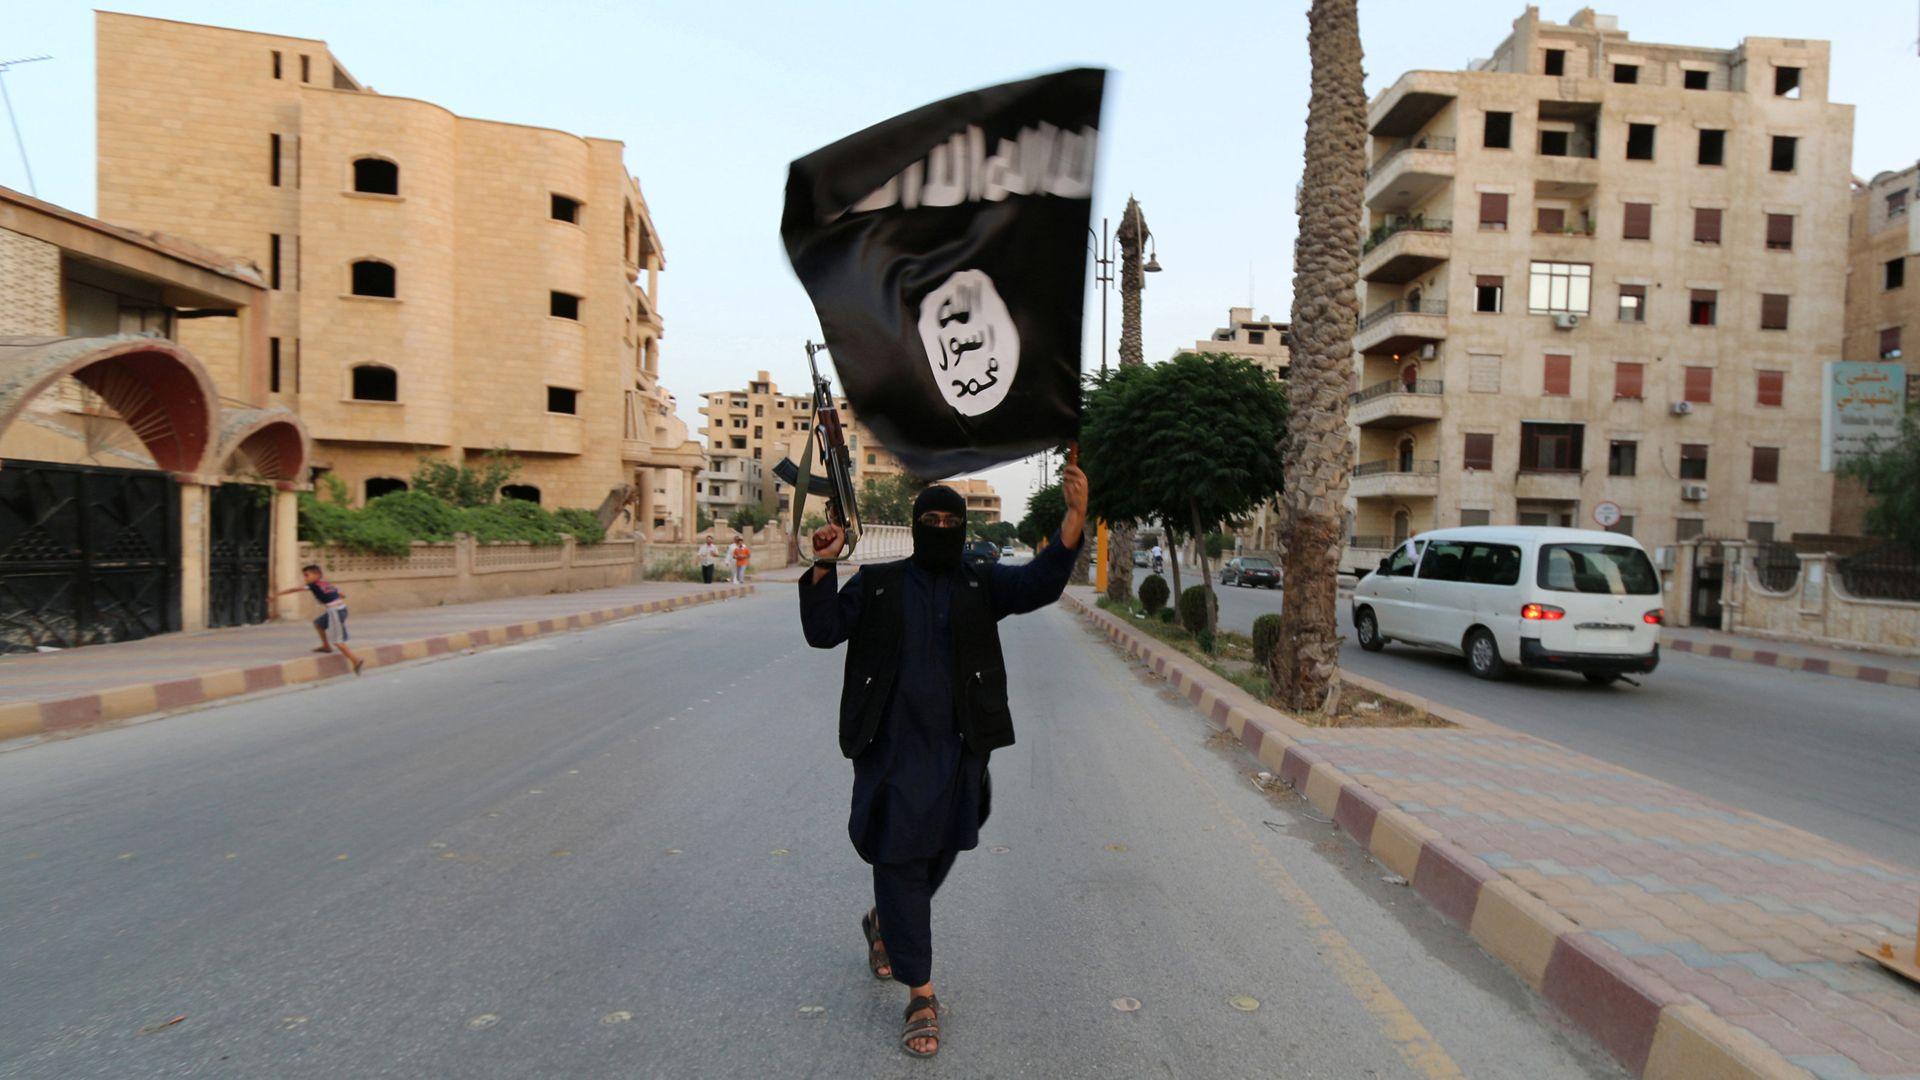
x: 1396, y: 466
x: 1887, y: 572
x: 1395, y: 386
x: 1777, y: 567
x: 1403, y: 307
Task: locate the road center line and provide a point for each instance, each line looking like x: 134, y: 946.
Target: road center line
x: 1416, y: 1045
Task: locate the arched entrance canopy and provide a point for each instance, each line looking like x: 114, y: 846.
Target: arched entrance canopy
x: 156, y: 387
x: 268, y: 444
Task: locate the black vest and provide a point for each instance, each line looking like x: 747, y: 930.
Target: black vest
x: 873, y: 661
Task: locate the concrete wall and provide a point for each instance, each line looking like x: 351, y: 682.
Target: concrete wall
x: 464, y: 571
x: 1818, y: 608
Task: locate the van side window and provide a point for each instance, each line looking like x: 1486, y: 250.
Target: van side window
x: 1493, y: 564
x: 1401, y: 564
x: 1446, y: 561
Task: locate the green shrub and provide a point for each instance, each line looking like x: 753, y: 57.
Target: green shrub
x: 415, y: 513
x: 1165, y: 615
x: 583, y: 524
x: 1266, y: 638
x: 1204, y: 638
x: 461, y: 486
x: 1193, y: 608
x: 509, y: 520
x: 673, y: 566
x: 1154, y: 593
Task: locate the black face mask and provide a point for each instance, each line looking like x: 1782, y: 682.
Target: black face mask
x: 937, y: 549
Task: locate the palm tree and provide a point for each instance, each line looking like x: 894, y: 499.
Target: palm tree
x: 1305, y: 668
x: 1132, y: 236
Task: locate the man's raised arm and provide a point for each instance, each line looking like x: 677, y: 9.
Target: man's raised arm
x: 828, y: 613
x: 1020, y: 589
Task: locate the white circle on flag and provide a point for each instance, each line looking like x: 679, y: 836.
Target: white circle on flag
x: 973, y: 348
x: 1607, y: 514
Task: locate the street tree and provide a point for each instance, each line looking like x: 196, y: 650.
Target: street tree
x: 1892, y: 473
x: 1194, y: 440
x: 1046, y: 509
x: 1326, y: 259
x: 887, y: 500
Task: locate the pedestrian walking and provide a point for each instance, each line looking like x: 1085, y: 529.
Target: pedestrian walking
x: 709, y: 558
x: 740, y: 557
x: 923, y: 706
x: 331, y: 624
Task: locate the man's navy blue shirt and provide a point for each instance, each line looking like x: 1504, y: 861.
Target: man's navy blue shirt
x: 917, y: 789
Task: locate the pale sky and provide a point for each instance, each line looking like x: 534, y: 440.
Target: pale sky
x: 1205, y: 109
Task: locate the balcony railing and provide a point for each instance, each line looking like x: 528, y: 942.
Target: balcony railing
x: 1395, y: 386
x: 1382, y: 233
x: 1377, y: 543
x: 1403, y: 307
x: 1441, y: 143
x: 1397, y: 467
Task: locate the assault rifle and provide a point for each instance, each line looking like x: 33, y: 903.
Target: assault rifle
x: 830, y: 438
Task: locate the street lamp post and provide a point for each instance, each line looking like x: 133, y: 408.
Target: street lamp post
x: 1102, y: 247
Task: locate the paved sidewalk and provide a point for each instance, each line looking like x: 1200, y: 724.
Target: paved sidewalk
x: 43, y: 692
x: 1689, y: 938
x: 1862, y: 664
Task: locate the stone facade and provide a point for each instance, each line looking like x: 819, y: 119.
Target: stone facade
x: 29, y: 285
x: 1263, y: 340
x: 1600, y: 271
x: 1883, y: 309
x: 442, y: 285
x: 981, y: 498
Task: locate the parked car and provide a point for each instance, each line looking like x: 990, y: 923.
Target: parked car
x: 981, y: 552
x: 1008, y: 552
x: 1142, y: 559
x: 1560, y: 599
x: 1250, y: 571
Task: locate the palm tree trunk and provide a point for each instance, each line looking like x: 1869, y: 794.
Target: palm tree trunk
x: 1132, y: 237
x: 1305, y: 668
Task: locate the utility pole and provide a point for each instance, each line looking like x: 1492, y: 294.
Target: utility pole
x: 18, y: 141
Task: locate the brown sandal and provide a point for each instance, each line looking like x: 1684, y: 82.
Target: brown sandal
x: 876, y: 952
x: 925, y: 1028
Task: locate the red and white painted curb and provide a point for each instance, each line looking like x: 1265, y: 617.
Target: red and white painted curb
x: 1812, y: 665
x: 1652, y: 1029
x: 61, y: 716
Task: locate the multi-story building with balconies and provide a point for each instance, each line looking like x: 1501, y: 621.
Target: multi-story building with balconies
x: 1263, y: 340
x: 1599, y: 279
x: 983, y: 502
x: 441, y: 285
x: 749, y: 431
x: 1883, y: 311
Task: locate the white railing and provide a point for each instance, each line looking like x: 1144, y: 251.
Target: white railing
x: 879, y: 543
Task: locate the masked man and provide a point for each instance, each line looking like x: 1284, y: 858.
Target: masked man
x: 923, y: 705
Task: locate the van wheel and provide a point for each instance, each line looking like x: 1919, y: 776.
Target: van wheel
x: 1483, y: 655
x: 1367, y: 629
x: 1601, y: 678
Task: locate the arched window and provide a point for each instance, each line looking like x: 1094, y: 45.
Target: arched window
x: 523, y: 492
x: 383, y: 485
x: 373, y: 382
x: 371, y: 277
x: 376, y: 176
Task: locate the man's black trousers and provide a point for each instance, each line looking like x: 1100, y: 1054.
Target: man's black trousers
x: 903, y: 896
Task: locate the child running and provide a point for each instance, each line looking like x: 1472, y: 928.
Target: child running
x: 332, y: 621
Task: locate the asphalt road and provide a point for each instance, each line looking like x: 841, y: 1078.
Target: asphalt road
x: 622, y: 852
x: 1832, y: 756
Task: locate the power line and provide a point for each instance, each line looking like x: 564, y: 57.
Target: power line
x: 5, y: 65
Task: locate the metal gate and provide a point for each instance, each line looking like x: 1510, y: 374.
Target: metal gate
x: 239, y: 536
x: 1708, y: 572
x: 87, y: 555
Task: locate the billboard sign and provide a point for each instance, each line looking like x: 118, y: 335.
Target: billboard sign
x: 1861, y: 405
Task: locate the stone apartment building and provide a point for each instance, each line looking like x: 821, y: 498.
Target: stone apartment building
x: 1261, y: 340
x: 982, y: 499
x: 1600, y: 275
x: 748, y: 432
x: 1883, y: 311
x: 441, y: 284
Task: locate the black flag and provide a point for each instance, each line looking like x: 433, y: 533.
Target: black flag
x: 945, y: 251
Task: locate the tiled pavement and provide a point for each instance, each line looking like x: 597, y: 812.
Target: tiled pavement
x: 136, y: 677
x: 1633, y: 905
x: 1756, y: 919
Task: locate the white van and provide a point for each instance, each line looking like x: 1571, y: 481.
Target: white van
x: 1565, y: 599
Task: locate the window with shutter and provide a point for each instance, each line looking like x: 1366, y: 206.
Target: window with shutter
x: 1628, y: 380
x: 1890, y: 343
x: 1773, y: 311
x: 1558, y: 381
x: 1693, y: 461
x: 1479, y: 452
x: 1549, y: 219
x: 1638, y: 222
x: 1706, y: 225
x: 1699, y: 386
x: 1703, y: 307
x: 1489, y: 293
x: 1493, y: 210
x: 1766, y: 464
x: 1779, y: 232
x: 1772, y: 388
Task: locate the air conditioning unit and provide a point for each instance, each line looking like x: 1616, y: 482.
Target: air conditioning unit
x: 1683, y: 408
x: 1566, y: 320
x: 1693, y: 492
